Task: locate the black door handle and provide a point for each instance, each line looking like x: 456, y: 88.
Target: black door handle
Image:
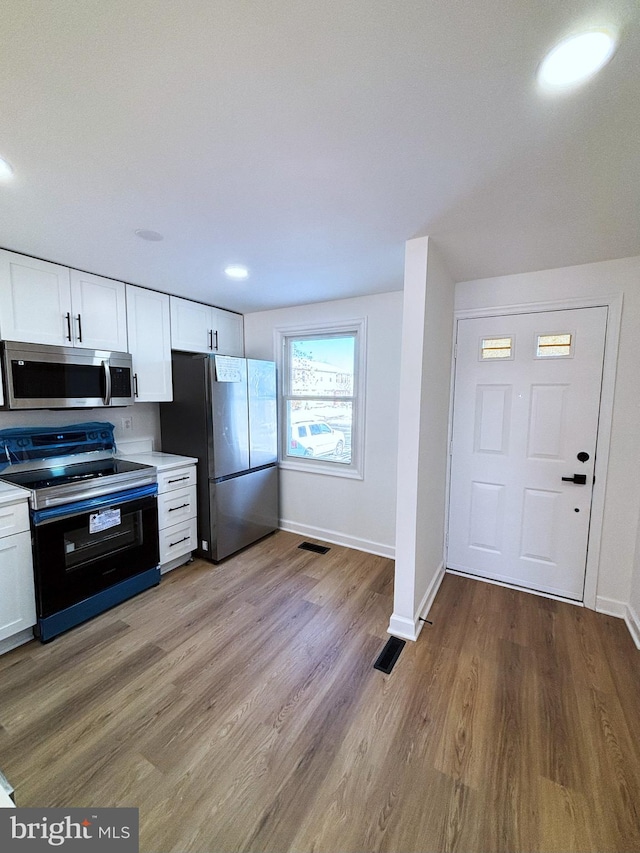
x: 578, y: 479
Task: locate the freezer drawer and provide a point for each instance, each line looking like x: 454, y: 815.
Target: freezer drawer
x: 243, y: 510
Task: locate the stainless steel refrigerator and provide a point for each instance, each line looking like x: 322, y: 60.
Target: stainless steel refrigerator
x: 224, y: 412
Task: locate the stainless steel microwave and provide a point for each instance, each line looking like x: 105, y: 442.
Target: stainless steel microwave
x: 37, y: 376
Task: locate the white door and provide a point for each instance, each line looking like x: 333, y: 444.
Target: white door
x: 525, y: 420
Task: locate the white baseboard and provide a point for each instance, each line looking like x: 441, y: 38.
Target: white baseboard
x: 377, y: 548
x: 611, y: 607
x: 633, y: 624
x: 16, y: 640
x: 409, y: 629
x: 427, y: 599
x: 402, y: 627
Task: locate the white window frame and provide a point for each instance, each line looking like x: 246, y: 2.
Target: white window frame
x: 282, y: 335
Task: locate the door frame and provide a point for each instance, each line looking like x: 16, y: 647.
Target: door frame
x: 603, y: 438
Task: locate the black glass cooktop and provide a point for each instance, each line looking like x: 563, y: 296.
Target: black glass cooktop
x: 63, y: 475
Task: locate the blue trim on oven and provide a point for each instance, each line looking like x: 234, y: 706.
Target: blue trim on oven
x: 49, y: 627
x: 40, y: 516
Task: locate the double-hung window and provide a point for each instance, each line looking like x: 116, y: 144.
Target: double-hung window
x: 322, y: 385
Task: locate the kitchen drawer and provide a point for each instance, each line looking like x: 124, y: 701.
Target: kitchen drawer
x: 14, y: 518
x: 176, y: 478
x: 176, y: 506
x: 178, y: 539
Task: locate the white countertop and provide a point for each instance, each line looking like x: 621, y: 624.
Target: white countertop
x: 160, y: 461
x: 10, y: 494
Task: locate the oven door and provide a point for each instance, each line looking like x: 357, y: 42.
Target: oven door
x: 84, y: 548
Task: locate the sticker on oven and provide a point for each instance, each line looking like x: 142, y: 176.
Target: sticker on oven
x: 104, y: 520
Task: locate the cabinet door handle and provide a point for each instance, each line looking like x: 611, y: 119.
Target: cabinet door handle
x: 216, y: 346
x: 184, y: 539
x: 174, y: 508
x: 178, y: 479
x: 79, y: 319
x: 210, y: 338
x: 68, y: 316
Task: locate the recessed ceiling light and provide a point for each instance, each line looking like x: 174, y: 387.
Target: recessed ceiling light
x: 153, y: 236
x: 575, y: 59
x: 237, y: 272
x: 6, y: 170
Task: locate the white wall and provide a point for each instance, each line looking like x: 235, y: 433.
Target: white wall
x: 357, y: 513
x: 622, y: 499
x: 424, y: 407
x: 145, y: 420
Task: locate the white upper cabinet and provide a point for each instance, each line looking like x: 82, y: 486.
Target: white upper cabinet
x: 99, y: 312
x: 202, y: 328
x: 35, y: 301
x: 228, y: 332
x: 190, y: 325
x: 44, y: 303
x: 150, y: 344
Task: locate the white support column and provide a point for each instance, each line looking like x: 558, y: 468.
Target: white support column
x: 423, y: 422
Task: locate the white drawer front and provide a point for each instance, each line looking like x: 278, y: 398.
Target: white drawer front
x: 14, y: 518
x: 178, y: 539
x: 176, y: 506
x: 177, y: 478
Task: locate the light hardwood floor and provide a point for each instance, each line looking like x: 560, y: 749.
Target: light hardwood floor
x: 237, y: 707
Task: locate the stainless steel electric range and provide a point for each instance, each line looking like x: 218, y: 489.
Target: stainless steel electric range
x: 94, y: 520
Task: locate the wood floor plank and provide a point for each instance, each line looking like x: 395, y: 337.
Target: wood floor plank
x: 237, y: 707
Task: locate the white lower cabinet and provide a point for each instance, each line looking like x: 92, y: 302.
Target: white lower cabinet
x: 177, y: 511
x: 177, y: 505
x: 17, y: 594
x: 176, y: 544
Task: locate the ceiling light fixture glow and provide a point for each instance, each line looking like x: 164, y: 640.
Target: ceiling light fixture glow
x: 236, y: 272
x: 576, y: 59
x: 6, y: 170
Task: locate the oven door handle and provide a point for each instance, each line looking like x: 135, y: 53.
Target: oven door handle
x: 113, y: 499
x: 107, y: 383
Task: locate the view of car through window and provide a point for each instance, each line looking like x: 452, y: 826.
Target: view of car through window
x: 319, y: 408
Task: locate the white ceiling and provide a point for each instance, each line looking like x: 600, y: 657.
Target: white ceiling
x: 309, y: 140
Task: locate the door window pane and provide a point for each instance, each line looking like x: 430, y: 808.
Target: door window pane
x: 553, y: 346
x: 492, y: 348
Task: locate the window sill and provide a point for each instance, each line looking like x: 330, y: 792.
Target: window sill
x: 331, y: 469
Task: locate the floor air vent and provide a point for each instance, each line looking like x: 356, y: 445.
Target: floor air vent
x: 389, y: 655
x: 311, y: 546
